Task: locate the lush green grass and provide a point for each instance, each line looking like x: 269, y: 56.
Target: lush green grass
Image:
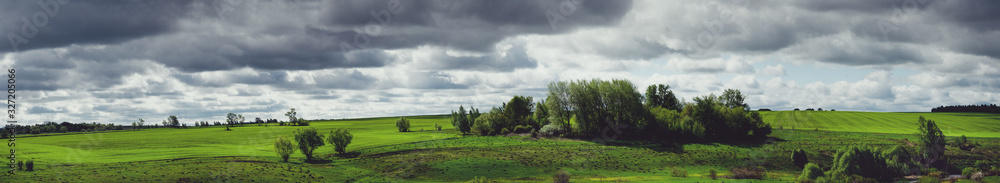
x: 952, y: 124
x: 379, y: 153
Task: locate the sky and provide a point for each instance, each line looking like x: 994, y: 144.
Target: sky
x: 118, y: 61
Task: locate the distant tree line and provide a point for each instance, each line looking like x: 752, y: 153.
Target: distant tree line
x: 598, y: 108
x: 53, y: 127
x: 992, y: 108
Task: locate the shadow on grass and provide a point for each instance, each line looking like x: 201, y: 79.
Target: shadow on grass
x: 347, y: 155
x: 318, y: 161
x: 677, y: 146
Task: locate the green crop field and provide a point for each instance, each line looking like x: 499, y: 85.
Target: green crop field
x: 380, y: 153
x: 952, y: 124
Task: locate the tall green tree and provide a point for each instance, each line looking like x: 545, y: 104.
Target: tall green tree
x: 659, y: 95
x: 340, y: 138
x: 283, y: 147
x: 541, y: 115
x: 463, y: 120
x: 932, y: 142
x: 291, y: 114
x: 172, y: 120
x: 733, y: 98
x: 308, y: 140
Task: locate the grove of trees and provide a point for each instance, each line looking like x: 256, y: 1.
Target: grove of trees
x: 599, y: 108
x: 992, y: 108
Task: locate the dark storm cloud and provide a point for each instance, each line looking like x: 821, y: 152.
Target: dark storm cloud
x: 467, y: 25
x: 56, y: 24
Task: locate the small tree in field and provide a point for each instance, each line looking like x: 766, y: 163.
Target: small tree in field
x: 403, y: 124
x: 340, y: 138
x: 283, y: 147
x: 799, y: 158
x: 932, y: 144
x: 308, y: 140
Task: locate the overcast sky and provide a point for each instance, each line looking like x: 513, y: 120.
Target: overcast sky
x: 119, y: 61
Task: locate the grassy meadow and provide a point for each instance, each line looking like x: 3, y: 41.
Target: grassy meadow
x: 379, y: 153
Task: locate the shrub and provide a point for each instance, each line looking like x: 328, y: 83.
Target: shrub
x: 561, y: 177
x: 552, y: 130
x: 968, y: 171
x: 20, y: 165
x: 982, y: 165
x: 481, y: 180
x: 678, y: 172
x: 340, y: 138
x: 810, y: 172
x: 866, y: 162
x: 308, y: 140
x: 30, y: 165
x: 504, y: 131
x: 713, y: 174
x: 800, y: 159
x: 964, y: 143
x: 977, y: 177
x: 403, y: 124
x: 484, y: 124
x: 283, y: 147
x: 748, y: 173
x: 437, y: 126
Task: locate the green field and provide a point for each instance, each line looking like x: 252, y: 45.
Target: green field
x: 952, y: 124
x: 379, y: 153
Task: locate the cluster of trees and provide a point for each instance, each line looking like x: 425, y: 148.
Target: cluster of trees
x: 992, y: 108
x: 860, y: 164
x: 515, y: 116
x: 53, y: 127
x: 308, y: 140
x: 596, y: 108
x: 463, y: 120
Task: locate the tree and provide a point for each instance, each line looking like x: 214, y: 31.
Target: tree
x: 518, y: 111
x: 403, y: 124
x: 172, y: 121
x: 340, y: 138
x: 258, y: 121
x: 241, y: 119
x: 140, y: 123
x: 291, y: 114
x: 932, y: 142
x: 733, y: 98
x: 231, y: 120
x: 283, y: 147
x: 810, y: 172
x: 308, y: 140
x: 800, y: 159
x: 541, y: 115
x: 659, y: 95
x: 460, y: 120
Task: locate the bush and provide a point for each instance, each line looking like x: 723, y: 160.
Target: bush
x: 866, y: 162
x: 748, y: 173
x: 283, y: 147
x: 504, y: 131
x: 340, y: 138
x: 484, y: 124
x: 713, y: 174
x: 480, y: 180
x: 20, y: 165
x: 977, y: 177
x: 403, y: 124
x: 811, y: 172
x: 561, y: 177
x: 437, y: 126
x: 982, y: 165
x: 308, y: 140
x: 968, y: 171
x: 552, y: 130
x: 30, y: 165
x: 678, y: 172
x: 800, y: 159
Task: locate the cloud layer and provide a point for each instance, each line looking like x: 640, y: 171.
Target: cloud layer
x: 124, y: 60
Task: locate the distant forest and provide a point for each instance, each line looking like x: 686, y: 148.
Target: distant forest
x: 991, y: 108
